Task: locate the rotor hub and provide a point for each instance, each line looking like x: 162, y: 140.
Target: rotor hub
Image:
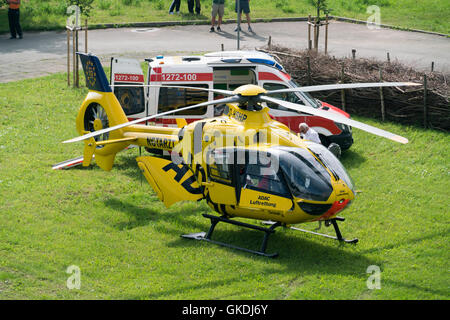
x: 249, y: 90
x: 98, y: 124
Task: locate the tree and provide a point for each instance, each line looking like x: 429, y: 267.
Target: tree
x: 320, y: 5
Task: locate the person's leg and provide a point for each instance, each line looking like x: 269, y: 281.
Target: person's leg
x: 172, y: 6
x: 213, y: 23
x: 213, y: 16
x: 247, y: 15
x: 18, y: 27
x: 239, y: 26
x: 198, y: 7
x: 191, y: 6
x: 12, y: 28
x: 220, y: 11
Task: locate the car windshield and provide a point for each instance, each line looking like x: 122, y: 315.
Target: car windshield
x: 332, y: 163
x: 306, y: 95
x: 307, y: 177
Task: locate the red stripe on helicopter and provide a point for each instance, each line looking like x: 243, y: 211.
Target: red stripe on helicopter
x: 337, y: 207
x: 181, y: 77
x: 123, y: 77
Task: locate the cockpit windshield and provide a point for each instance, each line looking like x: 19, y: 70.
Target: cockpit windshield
x: 308, y: 179
x: 332, y: 163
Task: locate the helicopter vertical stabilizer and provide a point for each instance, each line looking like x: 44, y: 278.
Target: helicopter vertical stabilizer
x: 100, y: 110
x: 95, y: 75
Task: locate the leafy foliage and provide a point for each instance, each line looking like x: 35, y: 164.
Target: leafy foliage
x: 84, y: 5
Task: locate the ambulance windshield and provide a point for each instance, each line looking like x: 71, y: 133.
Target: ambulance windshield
x: 314, y: 103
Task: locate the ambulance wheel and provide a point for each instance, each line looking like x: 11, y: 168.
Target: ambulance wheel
x: 95, y: 118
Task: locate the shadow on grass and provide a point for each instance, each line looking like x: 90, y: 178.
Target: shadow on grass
x: 352, y: 159
x: 141, y: 216
x: 298, y: 257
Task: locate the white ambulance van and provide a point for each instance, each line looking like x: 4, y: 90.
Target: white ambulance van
x: 219, y: 70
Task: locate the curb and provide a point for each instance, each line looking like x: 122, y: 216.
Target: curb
x: 387, y: 26
x: 256, y: 20
x: 229, y: 21
x: 187, y: 22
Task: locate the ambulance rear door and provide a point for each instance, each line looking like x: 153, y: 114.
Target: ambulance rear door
x: 230, y: 77
x: 273, y: 79
x: 183, y: 74
x: 126, y: 78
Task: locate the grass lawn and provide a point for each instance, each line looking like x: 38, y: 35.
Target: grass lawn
x: 431, y: 15
x: 128, y: 245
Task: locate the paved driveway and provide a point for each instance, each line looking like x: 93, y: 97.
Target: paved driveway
x: 42, y: 53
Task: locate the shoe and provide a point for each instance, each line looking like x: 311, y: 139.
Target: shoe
x: 237, y: 29
x: 170, y: 12
x: 20, y: 37
x: 211, y: 30
x: 218, y: 29
x: 250, y: 29
x: 10, y: 38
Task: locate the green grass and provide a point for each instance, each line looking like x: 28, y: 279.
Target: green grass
x: 128, y: 245
x: 431, y: 15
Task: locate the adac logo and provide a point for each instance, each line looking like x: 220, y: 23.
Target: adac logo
x: 90, y: 73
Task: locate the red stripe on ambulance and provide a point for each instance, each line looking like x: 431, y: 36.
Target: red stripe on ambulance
x: 123, y: 77
x: 182, y: 77
x: 268, y: 76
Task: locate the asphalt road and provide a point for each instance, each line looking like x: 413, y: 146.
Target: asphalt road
x: 42, y: 53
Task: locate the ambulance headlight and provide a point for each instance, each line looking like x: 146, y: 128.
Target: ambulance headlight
x: 343, y: 127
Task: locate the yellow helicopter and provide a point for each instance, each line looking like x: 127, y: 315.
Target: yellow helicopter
x: 243, y: 163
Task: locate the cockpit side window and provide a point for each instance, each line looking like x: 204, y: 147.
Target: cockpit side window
x: 221, y: 169
x: 265, y: 178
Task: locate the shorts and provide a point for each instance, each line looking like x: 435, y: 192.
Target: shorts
x: 245, y: 6
x: 217, y: 9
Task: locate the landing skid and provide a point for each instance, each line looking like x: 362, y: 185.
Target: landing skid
x: 336, y: 229
x: 203, y: 236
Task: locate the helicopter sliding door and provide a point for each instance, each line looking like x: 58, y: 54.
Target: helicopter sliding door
x: 221, y: 172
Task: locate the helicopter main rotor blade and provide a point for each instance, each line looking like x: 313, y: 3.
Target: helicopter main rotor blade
x: 337, y: 118
x: 126, y: 124
x: 220, y: 91
x: 338, y: 86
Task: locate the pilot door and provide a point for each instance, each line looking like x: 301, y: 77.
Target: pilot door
x: 262, y: 184
x: 249, y: 179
